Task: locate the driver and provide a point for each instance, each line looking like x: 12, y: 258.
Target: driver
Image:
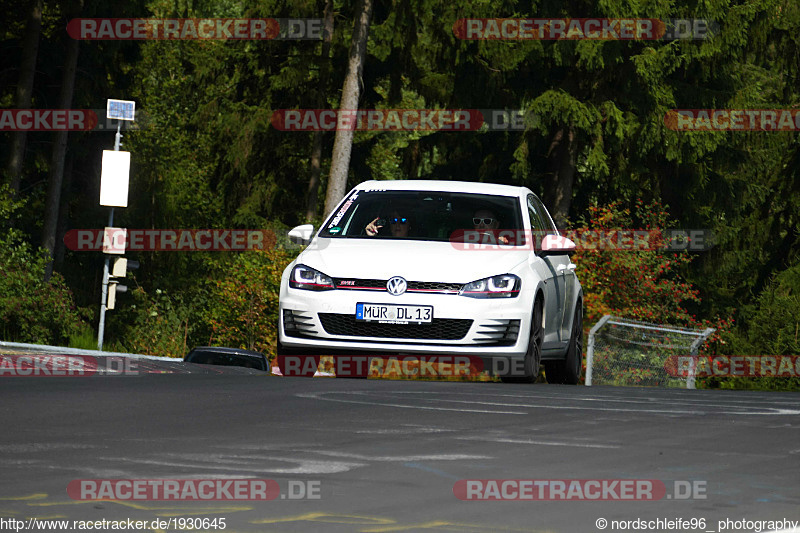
x: 398, y: 224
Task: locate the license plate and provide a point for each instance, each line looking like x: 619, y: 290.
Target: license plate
x: 394, y: 314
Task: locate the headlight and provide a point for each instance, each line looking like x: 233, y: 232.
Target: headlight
x: 309, y: 279
x: 505, y: 286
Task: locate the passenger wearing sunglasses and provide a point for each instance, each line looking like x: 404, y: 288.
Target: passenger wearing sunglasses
x: 399, y: 226
x: 486, y: 222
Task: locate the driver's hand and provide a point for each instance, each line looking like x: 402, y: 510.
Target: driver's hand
x: 372, y: 229
x: 490, y: 237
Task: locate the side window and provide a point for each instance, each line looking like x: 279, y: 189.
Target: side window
x: 537, y: 224
x: 536, y: 205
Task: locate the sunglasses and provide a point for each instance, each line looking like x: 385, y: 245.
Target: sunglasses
x: 485, y: 221
x: 402, y: 220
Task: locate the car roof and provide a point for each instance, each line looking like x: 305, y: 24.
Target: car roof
x: 444, y: 186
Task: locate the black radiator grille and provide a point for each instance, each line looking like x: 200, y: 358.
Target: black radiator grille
x: 439, y: 329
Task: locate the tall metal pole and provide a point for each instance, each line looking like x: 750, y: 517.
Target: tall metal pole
x: 104, y: 292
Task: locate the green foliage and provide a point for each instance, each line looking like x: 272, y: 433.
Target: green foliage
x: 84, y: 339
x: 774, y: 324
x: 243, y: 307
x: 31, y: 310
x: 206, y: 156
x: 647, y: 285
x: 154, y: 324
x: 639, y: 284
x: 770, y: 326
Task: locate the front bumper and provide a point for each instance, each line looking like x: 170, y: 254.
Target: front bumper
x: 324, y: 322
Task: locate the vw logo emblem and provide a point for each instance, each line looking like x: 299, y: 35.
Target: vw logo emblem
x: 396, y: 286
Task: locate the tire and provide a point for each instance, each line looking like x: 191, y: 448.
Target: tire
x: 568, y: 371
x: 533, y: 357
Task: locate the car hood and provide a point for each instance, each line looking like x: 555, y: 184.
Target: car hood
x: 413, y: 260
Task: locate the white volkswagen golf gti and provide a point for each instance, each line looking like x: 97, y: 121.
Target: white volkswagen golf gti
x: 418, y: 267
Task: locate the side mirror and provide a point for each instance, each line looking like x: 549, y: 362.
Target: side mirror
x: 301, y: 234
x: 556, y: 245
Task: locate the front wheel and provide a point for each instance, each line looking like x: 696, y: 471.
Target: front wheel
x: 533, y: 357
x: 568, y: 371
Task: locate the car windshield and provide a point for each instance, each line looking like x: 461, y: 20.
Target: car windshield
x: 425, y: 215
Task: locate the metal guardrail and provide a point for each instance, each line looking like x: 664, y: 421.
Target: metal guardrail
x: 62, y: 350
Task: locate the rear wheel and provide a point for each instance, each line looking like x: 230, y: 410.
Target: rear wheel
x: 533, y: 357
x: 568, y: 371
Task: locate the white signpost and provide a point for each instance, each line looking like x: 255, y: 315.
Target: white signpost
x: 114, y: 193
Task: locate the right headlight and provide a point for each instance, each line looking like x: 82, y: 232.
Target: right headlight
x: 504, y: 286
x: 309, y: 279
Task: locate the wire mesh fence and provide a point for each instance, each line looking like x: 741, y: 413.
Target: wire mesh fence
x: 626, y: 352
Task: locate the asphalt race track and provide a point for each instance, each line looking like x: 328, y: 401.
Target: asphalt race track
x: 382, y: 455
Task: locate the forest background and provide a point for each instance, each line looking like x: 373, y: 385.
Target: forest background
x: 207, y: 156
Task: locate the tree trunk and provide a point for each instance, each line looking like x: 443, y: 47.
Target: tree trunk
x: 53, y: 201
x: 63, y: 215
x: 316, y: 150
x: 343, y: 143
x: 30, y: 50
x: 561, y: 174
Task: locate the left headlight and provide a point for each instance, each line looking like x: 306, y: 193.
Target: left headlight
x: 505, y: 286
x: 307, y: 278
